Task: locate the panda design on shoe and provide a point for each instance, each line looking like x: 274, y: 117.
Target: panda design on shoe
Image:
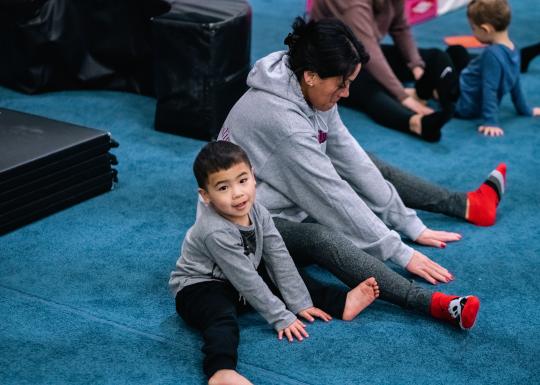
x: 456, y: 308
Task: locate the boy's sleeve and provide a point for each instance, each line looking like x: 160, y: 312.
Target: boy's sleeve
x: 491, y: 77
x: 282, y: 268
x: 402, y: 36
x: 518, y: 98
x: 227, y: 251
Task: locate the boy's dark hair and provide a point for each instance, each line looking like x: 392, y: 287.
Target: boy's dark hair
x: 216, y: 156
x: 327, y: 47
x: 494, y: 12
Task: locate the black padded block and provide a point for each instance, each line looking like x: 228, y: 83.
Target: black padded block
x: 55, y: 202
x: 30, y: 142
x: 46, y: 165
x: 48, y: 45
x: 201, y: 62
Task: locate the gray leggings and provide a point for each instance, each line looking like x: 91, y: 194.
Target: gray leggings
x: 310, y: 243
x: 420, y: 194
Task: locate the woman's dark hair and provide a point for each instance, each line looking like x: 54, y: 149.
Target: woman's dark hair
x: 327, y: 47
x: 217, y: 156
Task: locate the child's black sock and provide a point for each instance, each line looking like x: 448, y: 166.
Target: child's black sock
x: 432, y: 125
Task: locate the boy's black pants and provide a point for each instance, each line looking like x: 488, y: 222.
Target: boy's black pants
x: 213, y: 307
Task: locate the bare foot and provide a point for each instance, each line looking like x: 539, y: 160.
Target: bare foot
x: 359, y: 298
x: 228, y: 377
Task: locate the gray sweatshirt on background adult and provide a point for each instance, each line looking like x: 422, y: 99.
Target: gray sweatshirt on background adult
x: 308, y: 164
x: 213, y: 250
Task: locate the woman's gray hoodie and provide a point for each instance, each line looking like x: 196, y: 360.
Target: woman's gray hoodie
x: 308, y: 164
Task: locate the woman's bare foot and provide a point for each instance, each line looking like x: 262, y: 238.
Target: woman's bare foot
x: 359, y: 298
x: 228, y: 377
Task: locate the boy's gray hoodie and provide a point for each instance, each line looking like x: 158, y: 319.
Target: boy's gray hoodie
x: 308, y: 164
x: 213, y: 250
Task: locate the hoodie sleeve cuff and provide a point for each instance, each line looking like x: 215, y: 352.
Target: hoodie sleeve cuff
x: 297, y: 308
x: 285, y: 321
x: 413, y: 229
x: 404, y: 256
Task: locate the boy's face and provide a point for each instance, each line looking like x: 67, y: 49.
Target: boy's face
x: 231, y: 192
x: 484, y: 33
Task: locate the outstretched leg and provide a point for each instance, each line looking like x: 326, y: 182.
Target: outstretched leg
x: 310, y: 243
x: 478, y: 207
x: 314, y: 243
x: 482, y: 203
x: 211, y: 307
x: 418, y: 193
x: 367, y: 95
x: 338, y: 302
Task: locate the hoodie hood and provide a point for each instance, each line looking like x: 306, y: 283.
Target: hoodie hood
x: 272, y: 74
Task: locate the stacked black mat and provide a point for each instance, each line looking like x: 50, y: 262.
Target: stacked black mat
x: 47, y: 165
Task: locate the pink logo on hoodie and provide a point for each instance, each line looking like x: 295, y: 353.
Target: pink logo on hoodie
x: 322, y: 136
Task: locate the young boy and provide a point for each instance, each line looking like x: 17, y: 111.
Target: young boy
x: 487, y: 78
x: 233, y: 255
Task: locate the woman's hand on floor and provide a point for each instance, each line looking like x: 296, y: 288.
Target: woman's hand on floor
x: 427, y: 269
x: 436, y: 238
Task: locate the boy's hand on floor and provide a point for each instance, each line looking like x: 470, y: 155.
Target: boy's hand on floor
x: 536, y: 111
x: 436, y: 238
x: 427, y: 269
x: 296, y: 329
x: 491, y: 131
x: 312, y: 312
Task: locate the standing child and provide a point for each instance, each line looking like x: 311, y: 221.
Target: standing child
x: 233, y: 255
x: 485, y: 79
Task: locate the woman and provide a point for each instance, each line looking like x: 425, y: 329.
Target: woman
x: 378, y: 91
x: 330, y: 203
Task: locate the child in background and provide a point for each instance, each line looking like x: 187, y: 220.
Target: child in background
x: 485, y: 79
x: 233, y: 254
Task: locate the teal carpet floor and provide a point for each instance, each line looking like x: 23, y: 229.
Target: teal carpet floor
x: 83, y: 292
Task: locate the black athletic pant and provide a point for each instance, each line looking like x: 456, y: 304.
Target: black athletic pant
x: 213, y: 307
x: 369, y: 96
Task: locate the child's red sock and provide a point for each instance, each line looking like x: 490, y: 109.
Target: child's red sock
x: 484, y: 201
x: 460, y: 311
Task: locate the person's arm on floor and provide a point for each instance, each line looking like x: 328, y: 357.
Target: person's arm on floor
x: 302, y: 172
x: 402, y: 36
x: 354, y: 165
x: 491, y: 75
x: 281, y: 267
x: 227, y: 252
x: 519, y: 101
x: 284, y: 274
x: 359, y: 17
